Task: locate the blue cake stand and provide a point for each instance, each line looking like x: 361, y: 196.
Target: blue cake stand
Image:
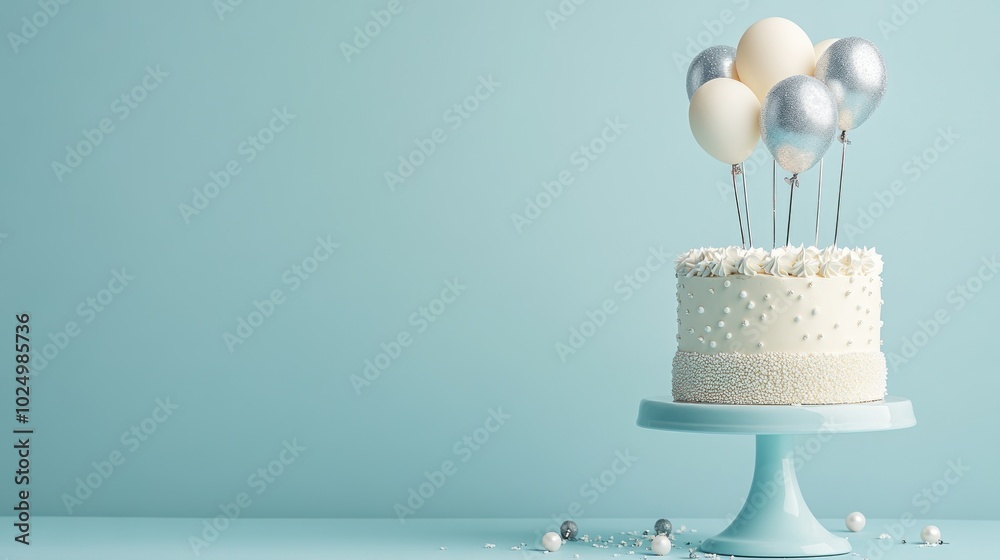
x: 775, y: 520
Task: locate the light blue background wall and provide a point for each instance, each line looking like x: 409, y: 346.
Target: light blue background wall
x: 494, y: 346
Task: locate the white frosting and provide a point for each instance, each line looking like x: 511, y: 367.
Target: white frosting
x: 799, y: 262
x: 762, y: 313
x: 779, y: 378
x: 791, y: 325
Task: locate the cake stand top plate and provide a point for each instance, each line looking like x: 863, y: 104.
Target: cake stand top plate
x: 662, y: 413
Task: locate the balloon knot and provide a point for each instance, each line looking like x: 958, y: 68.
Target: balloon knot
x: 843, y: 137
x: 737, y: 169
x: 793, y: 181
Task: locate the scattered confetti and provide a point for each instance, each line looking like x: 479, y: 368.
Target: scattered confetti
x: 444, y: 548
x: 885, y: 536
x: 489, y: 545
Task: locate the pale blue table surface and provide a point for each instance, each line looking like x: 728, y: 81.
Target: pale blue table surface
x: 82, y: 538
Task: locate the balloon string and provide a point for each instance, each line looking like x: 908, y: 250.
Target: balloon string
x: 746, y: 205
x: 793, y: 182
x: 774, y: 203
x: 819, y: 197
x: 840, y: 190
x: 739, y: 215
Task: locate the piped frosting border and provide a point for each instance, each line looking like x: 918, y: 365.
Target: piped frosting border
x: 801, y: 262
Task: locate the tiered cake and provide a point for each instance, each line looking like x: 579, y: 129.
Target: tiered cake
x: 786, y: 326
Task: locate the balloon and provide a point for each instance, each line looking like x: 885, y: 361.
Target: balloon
x: 770, y: 51
x: 854, y: 71
x: 724, y: 118
x: 711, y: 63
x: 821, y: 47
x: 798, y: 121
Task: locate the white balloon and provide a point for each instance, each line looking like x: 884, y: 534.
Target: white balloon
x: 821, y: 46
x: 771, y: 50
x: 725, y: 119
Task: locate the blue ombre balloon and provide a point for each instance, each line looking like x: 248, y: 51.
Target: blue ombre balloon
x: 854, y: 70
x: 798, y: 121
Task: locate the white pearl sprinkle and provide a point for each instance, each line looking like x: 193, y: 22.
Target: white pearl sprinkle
x: 751, y: 305
x: 798, y: 318
x: 722, y: 323
x: 767, y: 296
x: 712, y: 344
x: 690, y: 331
x: 805, y: 337
x: 729, y: 335
x: 711, y: 290
x: 763, y: 316
x: 701, y: 309
x: 708, y: 328
x: 726, y: 310
x: 743, y: 294
x: 727, y: 283
x: 815, y: 311
x: 745, y: 323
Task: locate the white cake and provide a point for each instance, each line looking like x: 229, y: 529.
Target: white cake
x: 786, y: 326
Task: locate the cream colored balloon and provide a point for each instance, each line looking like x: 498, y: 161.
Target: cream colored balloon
x: 771, y: 50
x: 821, y: 46
x: 725, y: 119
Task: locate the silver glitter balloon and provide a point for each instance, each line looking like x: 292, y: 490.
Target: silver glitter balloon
x: 714, y: 62
x: 854, y: 70
x: 798, y: 121
x: 663, y: 527
x: 568, y: 530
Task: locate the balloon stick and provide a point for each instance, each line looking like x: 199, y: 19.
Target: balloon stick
x: 739, y: 215
x: 819, y: 197
x: 746, y: 205
x: 774, y: 204
x: 793, y: 182
x: 840, y: 191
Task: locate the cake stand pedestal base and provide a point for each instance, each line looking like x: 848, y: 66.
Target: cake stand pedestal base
x: 775, y: 520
